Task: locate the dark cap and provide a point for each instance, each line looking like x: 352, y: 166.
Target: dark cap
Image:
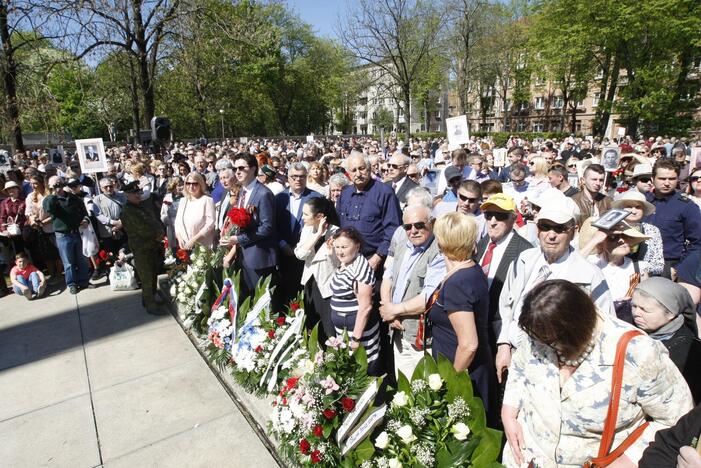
x: 268, y: 171
x: 132, y: 187
x: 452, y: 172
x: 73, y: 182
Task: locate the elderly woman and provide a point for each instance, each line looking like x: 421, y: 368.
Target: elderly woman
x: 560, y: 380
x: 195, y: 219
x: 664, y: 310
x: 336, y: 184
x: 459, y: 312
x: 320, y: 223
x: 649, y: 251
x: 351, y: 298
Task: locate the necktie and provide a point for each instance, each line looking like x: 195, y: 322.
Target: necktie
x: 487, y: 260
x: 394, y: 186
x: 543, y: 274
x: 242, y: 199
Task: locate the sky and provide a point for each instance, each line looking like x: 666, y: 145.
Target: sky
x: 321, y: 14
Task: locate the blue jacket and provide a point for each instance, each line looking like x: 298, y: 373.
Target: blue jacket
x: 679, y: 222
x: 289, y: 225
x: 258, y: 240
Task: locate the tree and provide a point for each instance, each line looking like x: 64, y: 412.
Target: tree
x: 395, y: 36
x: 383, y: 118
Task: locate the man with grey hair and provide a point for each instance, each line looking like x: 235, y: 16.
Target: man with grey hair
x: 288, y: 219
x: 218, y: 191
x: 408, y: 283
x: 401, y: 184
x: 371, y: 207
x: 109, y: 225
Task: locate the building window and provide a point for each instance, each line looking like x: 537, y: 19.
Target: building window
x: 599, y: 74
x: 540, y: 103
x: 540, y: 80
x: 521, y: 127
x: 438, y: 115
x: 596, y: 99
x: 580, y: 104
x: 508, y: 105
x: 522, y: 106
x: 558, y: 102
x: 537, y: 127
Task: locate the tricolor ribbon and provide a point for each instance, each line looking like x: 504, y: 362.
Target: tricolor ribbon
x: 229, y: 290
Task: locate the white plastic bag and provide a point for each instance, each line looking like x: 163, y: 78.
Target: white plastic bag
x: 122, y: 278
x: 13, y: 228
x: 90, y: 244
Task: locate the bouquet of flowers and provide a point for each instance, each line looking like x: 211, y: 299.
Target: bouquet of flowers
x: 435, y: 421
x: 268, y: 349
x: 236, y: 220
x: 309, y: 409
x: 190, y: 286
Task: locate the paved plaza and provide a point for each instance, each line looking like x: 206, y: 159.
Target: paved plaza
x: 92, y: 380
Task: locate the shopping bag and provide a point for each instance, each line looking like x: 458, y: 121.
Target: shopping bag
x: 122, y: 278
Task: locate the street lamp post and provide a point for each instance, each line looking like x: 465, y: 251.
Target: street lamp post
x: 221, y: 112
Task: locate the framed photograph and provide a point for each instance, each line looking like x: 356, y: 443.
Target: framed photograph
x: 5, y: 160
x: 610, y: 156
x: 310, y: 138
x: 610, y: 219
x: 695, y: 158
x: 56, y: 156
x: 499, y: 157
x: 91, y: 155
x: 458, y: 131
x: 243, y: 140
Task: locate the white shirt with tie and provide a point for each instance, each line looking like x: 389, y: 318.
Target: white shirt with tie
x: 497, y: 255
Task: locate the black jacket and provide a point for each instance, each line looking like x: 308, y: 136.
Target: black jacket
x: 662, y: 453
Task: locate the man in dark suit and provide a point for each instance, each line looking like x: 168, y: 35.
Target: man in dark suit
x: 257, y: 254
x: 91, y: 154
x: 401, y: 184
x: 288, y: 219
x: 497, y: 250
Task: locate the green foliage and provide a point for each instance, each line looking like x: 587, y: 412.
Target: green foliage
x: 383, y: 118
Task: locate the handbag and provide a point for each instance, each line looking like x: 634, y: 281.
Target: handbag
x: 13, y: 228
x: 607, y: 456
x: 122, y: 278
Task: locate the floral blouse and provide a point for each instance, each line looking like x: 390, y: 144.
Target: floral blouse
x: 563, y: 426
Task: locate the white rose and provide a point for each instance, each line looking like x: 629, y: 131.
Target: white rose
x: 400, y: 399
x: 435, y: 381
x: 382, y: 440
x: 406, y: 434
x: 460, y: 431
x: 394, y: 463
x: 173, y: 290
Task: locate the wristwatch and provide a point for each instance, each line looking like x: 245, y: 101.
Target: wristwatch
x: 353, y: 338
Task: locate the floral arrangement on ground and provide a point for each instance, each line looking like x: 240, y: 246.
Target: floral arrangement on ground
x: 192, y: 287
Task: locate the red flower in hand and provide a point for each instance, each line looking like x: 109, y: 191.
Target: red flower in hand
x: 304, y: 446
x: 316, y: 456
x: 329, y: 414
x: 103, y: 255
x: 318, y: 430
x: 271, y: 334
x: 294, y: 306
x: 348, y: 404
x: 239, y: 217
x: 280, y: 321
x: 182, y: 255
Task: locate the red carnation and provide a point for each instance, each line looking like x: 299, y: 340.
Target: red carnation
x: 348, y: 404
x: 280, y: 321
x: 316, y: 456
x: 258, y: 349
x: 182, y: 255
x: 294, y: 306
x: 103, y: 255
x: 239, y: 217
x: 165, y: 242
x: 304, y: 446
x: 271, y: 334
x: 329, y: 414
x: 292, y: 382
x: 318, y: 430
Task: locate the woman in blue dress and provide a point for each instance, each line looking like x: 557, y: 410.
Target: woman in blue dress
x: 351, y: 300
x: 459, y: 315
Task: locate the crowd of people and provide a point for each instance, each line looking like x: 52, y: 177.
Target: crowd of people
x: 499, y: 259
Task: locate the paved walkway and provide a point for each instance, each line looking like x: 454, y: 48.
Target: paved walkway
x: 92, y: 380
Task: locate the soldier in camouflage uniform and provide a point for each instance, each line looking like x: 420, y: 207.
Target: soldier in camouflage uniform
x: 145, y: 233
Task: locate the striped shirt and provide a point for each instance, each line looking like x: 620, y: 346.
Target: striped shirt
x: 344, y: 300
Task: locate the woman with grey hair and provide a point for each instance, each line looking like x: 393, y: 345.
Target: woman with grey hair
x: 664, y: 310
x: 336, y: 184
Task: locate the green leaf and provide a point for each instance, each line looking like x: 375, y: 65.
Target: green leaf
x: 488, y: 449
x: 313, y: 342
x: 364, y: 451
x: 403, y: 384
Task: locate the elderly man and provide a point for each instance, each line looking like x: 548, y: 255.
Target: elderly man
x: 554, y: 259
x: 677, y: 217
x: 401, y: 184
x: 288, y: 219
x: 407, y: 285
x: 257, y: 254
x: 590, y: 200
x: 145, y: 230
x: 370, y: 207
x: 109, y: 224
x: 497, y: 251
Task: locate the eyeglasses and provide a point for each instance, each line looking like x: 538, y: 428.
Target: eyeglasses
x: 418, y: 226
x: 192, y: 184
x: 694, y: 178
x: 240, y: 168
x: 107, y: 186
x: 413, y: 174
x: 517, y: 181
x: 557, y: 228
x: 571, y: 166
x: 498, y: 215
x: 644, y: 180
x: 395, y: 166
x: 467, y: 199
x: 296, y: 177
x: 384, y: 170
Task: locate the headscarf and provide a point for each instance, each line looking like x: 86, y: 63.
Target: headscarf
x: 676, y: 299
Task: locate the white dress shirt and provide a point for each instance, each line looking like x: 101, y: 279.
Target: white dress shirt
x: 497, y: 255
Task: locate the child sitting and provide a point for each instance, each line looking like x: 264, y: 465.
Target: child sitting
x: 26, y: 279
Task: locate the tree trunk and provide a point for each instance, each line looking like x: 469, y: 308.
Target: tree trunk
x: 142, y: 58
x: 407, y: 113
x: 9, y: 76
x: 573, y: 123
x: 599, y: 126
x: 135, y: 111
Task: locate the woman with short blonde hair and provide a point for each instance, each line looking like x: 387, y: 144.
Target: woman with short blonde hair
x: 195, y: 219
x: 456, y: 234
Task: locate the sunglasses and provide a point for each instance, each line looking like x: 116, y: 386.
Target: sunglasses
x: 694, y: 178
x: 467, y: 199
x: 192, y: 184
x: 395, y: 166
x: 240, y: 168
x: 644, y: 180
x: 557, y: 228
x: 498, y: 215
x: 418, y: 226
x: 413, y: 174
x: 296, y: 177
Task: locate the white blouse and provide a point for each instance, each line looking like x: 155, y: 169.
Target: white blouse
x: 196, y: 217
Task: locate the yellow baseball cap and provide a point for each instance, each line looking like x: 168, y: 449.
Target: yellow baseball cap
x: 501, y: 202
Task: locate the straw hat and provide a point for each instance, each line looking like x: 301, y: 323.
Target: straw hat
x: 586, y: 232
x: 634, y: 196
